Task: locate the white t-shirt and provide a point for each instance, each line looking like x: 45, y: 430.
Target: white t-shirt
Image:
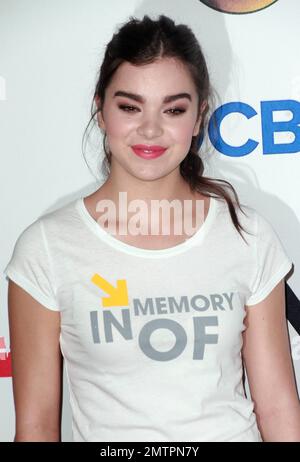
x: 152, y: 338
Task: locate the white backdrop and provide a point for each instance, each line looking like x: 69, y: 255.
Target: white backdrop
x: 49, y: 56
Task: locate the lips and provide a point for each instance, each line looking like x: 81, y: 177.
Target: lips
x: 148, y: 152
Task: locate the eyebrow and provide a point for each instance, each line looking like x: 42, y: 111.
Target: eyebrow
x: 140, y: 99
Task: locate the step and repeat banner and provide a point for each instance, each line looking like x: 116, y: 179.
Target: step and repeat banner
x: 49, y: 57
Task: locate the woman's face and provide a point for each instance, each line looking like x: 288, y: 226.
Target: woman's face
x: 150, y: 121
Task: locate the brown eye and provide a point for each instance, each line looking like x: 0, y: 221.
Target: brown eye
x: 126, y: 107
x: 178, y: 109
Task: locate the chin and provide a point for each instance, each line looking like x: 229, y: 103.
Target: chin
x: 148, y: 174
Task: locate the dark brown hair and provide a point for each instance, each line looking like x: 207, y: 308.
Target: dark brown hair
x: 142, y: 41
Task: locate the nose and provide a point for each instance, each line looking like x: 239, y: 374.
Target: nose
x: 150, y: 127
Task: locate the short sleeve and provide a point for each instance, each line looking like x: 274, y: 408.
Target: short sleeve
x: 273, y: 263
x: 30, y: 265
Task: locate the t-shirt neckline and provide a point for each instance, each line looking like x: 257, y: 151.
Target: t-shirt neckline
x: 114, y: 242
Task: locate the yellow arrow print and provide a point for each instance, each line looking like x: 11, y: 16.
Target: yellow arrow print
x: 118, y: 296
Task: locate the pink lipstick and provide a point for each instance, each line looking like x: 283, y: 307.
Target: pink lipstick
x: 148, y: 152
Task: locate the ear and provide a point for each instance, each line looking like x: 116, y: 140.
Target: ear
x: 100, y: 119
x: 197, y: 126
x: 198, y: 122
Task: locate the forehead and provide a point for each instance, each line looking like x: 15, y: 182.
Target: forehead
x: 161, y: 75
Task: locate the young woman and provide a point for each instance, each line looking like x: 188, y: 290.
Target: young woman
x: 155, y: 329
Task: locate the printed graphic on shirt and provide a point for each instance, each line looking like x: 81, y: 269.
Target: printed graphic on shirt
x: 163, y: 310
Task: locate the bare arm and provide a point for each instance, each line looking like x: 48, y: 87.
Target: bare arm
x: 36, y: 367
x: 269, y: 367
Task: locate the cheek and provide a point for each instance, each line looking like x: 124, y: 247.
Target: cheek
x: 118, y: 126
x: 182, y: 132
